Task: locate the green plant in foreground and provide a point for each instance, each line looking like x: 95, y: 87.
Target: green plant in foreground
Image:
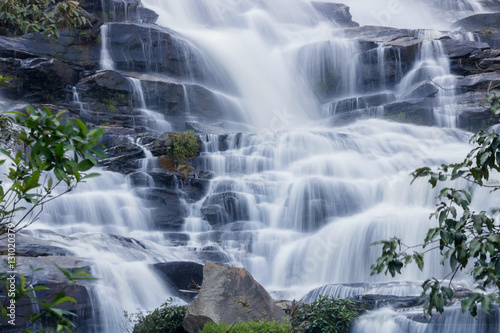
x: 165, y: 319
x: 184, y: 147
x: 466, y: 240
x: 250, y: 326
x: 327, y: 314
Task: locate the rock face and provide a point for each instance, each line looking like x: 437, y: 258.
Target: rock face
x: 335, y: 12
x: 229, y: 295
x: 478, y: 22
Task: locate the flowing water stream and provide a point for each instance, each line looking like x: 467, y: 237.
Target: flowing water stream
x: 293, y: 200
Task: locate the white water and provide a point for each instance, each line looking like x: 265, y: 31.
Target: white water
x: 309, y: 200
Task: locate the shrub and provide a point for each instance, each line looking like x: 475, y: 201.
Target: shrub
x: 165, y: 319
x: 184, y: 147
x: 327, y: 314
x: 250, y: 326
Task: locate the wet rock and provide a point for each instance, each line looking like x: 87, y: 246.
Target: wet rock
x: 461, y: 48
x: 478, y: 22
x: 474, y: 112
x: 123, y: 157
x: 408, y: 47
x: 363, y: 102
x: 478, y: 62
x: 145, y: 47
x: 181, y: 274
x: 479, y: 81
x: 376, y: 34
x: 229, y: 295
x: 489, y: 36
x: 167, y: 211
x: 51, y: 277
x: 79, y: 48
x: 223, y: 208
x: 163, y: 95
x: 176, y: 238
x: 115, y: 135
x: 27, y: 246
x: 425, y: 89
x: 38, y: 79
x: 335, y: 12
x: 417, y: 111
x: 200, y: 128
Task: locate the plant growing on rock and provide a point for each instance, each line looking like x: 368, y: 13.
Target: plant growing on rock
x: 327, y: 314
x: 466, y: 240
x: 184, y: 147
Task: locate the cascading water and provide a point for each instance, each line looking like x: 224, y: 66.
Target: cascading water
x: 296, y: 203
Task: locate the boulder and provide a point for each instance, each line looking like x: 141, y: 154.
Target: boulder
x: 229, y: 295
x: 335, y: 12
x: 478, y: 22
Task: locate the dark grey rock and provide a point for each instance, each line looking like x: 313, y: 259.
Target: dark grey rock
x: 425, y: 89
x: 229, y: 295
x: 376, y: 34
x: 478, y: 22
x: 461, y: 48
x: 335, y: 12
x: 417, y: 111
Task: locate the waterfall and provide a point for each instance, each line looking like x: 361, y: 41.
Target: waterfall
x: 294, y: 200
x: 106, y: 62
x: 154, y: 120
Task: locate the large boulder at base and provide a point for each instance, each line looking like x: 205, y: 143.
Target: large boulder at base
x: 228, y: 295
x: 181, y: 274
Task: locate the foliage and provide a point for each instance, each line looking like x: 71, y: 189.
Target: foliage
x: 165, y: 319
x: 250, y: 326
x: 466, y: 240
x: 41, y: 16
x: 327, y: 314
x: 184, y: 147
x: 47, y: 308
x: 43, y: 154
x: 57, y: 155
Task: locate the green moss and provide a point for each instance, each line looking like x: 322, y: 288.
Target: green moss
x: 112, y: 99
x: 250, y: 326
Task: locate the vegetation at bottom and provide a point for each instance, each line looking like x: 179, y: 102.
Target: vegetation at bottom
x: 165, y: 319
x: 467, y: 241
x: 326, y: 315
x: 249, y: 326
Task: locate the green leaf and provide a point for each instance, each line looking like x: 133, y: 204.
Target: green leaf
x: 85, y: 165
